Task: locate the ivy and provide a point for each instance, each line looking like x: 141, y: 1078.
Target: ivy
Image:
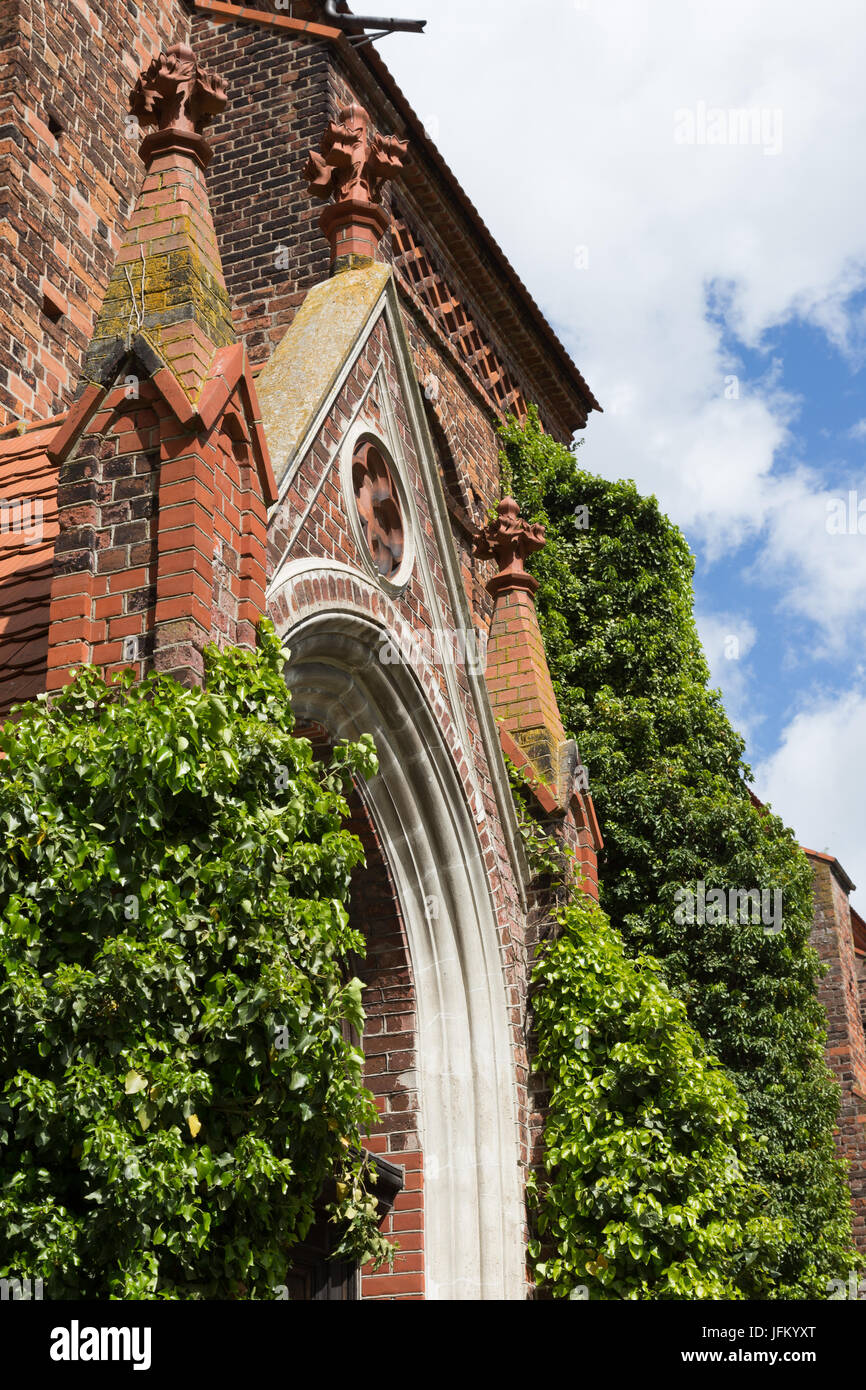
x: 671, y: 790
x: 645, y: 1190
x: 544, y: 854
x: 179, y: 1097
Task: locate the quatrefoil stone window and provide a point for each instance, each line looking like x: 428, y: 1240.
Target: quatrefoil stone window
x: 379, y: 508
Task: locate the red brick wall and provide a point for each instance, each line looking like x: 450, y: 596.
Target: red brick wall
x: 277, y: 111
x: 104, y: 586
x: 64, y: 197
x: 282, y: 92
x: 28, y: 479
x: 161, y: 542
x: 464, y: 434
x: 846, y: 1046
x: 390, y: 1071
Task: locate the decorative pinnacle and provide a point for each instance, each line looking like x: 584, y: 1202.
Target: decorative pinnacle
x: 510, y: 540
x: 355, y: 162
x: 179, y: 98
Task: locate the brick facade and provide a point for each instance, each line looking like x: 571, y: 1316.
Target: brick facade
x: 69, y: 173
x: 266, y: 223
x: 140, y: 309
x: 274, y: 251
x: 164, y: 473
x: 838, y: 942
x: 391, y: 1064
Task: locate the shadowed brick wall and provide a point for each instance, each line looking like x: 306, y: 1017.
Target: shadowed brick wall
x: 832, y: 937
x: 161, y: 543
x: 68, y: 172
x: 266, y: 222
x: 104, y: 590
x: 390, y: 1070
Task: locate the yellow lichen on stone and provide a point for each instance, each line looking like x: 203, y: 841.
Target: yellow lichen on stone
x: 152, y: 295
x: 319, y: 342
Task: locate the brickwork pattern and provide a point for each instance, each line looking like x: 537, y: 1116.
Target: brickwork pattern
x: 519, y: 683
x: 454, y: 319
x: 28, y: 530
x: 846, y: 1044
x: 161, y: 545
x: 105, y: 554
x: 266, y: 222
x: 168, y: 282
x: 68, y: 173
x: 464, y: 435
x: 390, y: 1068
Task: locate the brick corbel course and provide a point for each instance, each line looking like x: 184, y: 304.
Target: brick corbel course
x: 243, y: 14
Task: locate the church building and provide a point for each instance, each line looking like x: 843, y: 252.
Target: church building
x: 255, y: 346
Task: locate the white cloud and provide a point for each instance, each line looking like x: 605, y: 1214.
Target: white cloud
x: 559, y: 118
x: 727, y: 641
x: 822, y: 572
x: 562, y: 127
x: 815, y: 780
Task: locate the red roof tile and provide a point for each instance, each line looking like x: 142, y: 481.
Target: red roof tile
x: 847, y: 883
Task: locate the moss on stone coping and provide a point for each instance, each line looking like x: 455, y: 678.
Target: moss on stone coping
x: 297, y: 380
x: 178, y: 287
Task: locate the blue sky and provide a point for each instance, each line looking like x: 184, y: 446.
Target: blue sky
x: 782, y: 662
x: 683, y: 189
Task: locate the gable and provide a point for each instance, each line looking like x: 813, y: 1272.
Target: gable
x: 364, y: 391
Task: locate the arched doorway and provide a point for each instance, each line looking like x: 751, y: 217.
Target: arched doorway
x: 466, y: 1082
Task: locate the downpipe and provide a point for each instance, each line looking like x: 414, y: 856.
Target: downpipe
x: 384, y: 26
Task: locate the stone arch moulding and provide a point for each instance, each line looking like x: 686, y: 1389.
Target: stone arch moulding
x: 473, y: 1197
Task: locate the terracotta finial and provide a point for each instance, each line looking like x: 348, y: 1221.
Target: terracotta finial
x: 355, y: 163
x: 180, y: 98
x: 510, y: 540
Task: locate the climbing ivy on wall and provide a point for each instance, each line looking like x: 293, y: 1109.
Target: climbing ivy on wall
x: 646, y: 1189
x: 178, y: 1097
x: 670, y: 787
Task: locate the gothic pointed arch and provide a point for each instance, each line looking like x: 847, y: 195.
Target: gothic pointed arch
x: 428, y: 828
